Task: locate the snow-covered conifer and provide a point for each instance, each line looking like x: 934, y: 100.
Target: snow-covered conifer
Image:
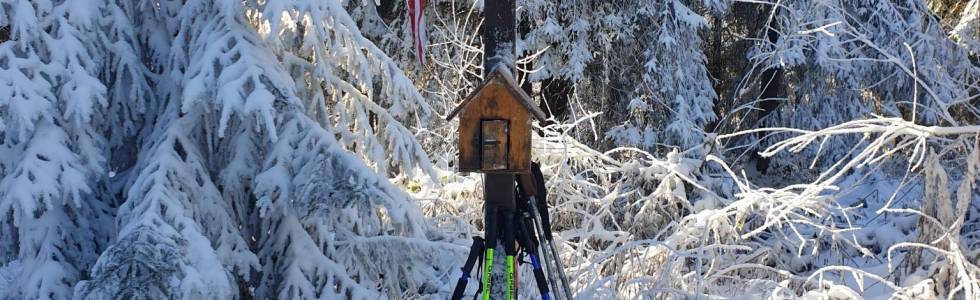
x: 236, y: 186
x: 51, y: 153
x: 348, y: 83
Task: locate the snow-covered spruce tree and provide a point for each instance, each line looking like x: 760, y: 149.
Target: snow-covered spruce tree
x: 53, y: 221
x: 676, y: 85
x: 132, y: 106
x: 236, y: 190
x: 366, y: 230
x: 178, y: 234
x: 453, y: 58
x: 595, y: 45
x: 368, y: 102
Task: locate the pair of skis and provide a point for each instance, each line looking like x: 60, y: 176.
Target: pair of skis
x: 528, y: 228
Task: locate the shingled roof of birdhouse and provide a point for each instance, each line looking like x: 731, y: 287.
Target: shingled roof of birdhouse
x: 505, y: 78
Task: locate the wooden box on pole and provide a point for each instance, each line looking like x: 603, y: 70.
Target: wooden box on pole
x: 495, y: 126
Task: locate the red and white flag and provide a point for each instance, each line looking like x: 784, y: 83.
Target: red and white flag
x: 415, y: 8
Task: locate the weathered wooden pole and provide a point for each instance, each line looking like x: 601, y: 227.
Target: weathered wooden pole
x: 499, y: 34
x: 498, y: 52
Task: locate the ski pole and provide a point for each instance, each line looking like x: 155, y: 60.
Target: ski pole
x: 553, y: 256
x: 474, y: 254
x: 531, y: 248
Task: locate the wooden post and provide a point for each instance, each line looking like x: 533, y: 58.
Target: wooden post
x: 498, y: 33
x: 498, y: 48
x: 498, y: 51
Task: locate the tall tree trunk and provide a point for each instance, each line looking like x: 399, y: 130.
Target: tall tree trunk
x: 553, y: 98
x: 772, y: 92
x: 388, y: 10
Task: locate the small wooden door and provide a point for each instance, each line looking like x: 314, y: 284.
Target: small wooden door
x: 494, y: 138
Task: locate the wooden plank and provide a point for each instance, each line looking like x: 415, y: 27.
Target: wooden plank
x: 495, y: 139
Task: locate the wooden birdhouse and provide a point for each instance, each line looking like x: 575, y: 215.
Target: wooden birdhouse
x: 495, y: 126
